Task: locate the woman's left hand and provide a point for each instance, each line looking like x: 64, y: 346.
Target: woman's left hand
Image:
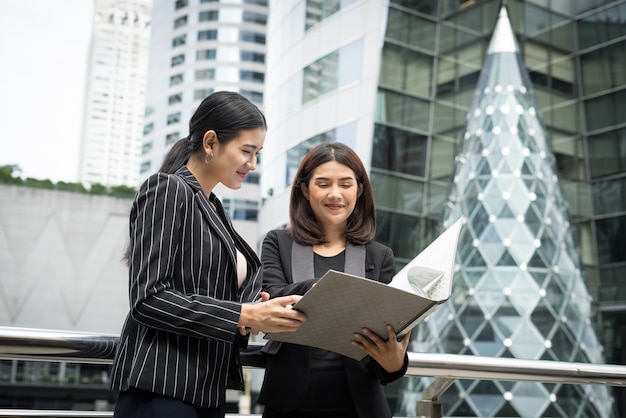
x: 389, y: 354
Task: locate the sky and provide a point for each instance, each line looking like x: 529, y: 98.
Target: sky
x: 43, y: 53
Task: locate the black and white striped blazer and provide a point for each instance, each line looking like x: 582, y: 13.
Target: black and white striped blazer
x: 180, y: 338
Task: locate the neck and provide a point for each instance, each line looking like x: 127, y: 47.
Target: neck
x: 199, y: 171
x: 335, y: 243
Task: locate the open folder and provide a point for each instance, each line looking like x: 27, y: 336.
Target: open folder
x: 341, y: 304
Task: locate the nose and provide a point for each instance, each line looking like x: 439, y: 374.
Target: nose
x: 251, y: 163
x: 334, y: 192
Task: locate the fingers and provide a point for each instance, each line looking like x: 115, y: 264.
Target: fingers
x: 264, y: 297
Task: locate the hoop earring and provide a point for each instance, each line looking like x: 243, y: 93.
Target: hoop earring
x: 208, y: 159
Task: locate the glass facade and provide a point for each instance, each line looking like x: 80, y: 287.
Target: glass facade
x: 575, y: 55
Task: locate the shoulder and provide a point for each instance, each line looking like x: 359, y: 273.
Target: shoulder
x: 375, y: 247
x: 277, y: 235
x: 164, y: 187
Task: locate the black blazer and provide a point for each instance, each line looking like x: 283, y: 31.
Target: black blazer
x: 287, y: 365
x: 180, y: 338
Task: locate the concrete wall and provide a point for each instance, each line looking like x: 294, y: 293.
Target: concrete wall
x: 61, y: 260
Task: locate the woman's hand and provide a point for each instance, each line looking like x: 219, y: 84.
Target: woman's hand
x: 273, y: 315
x: 389, y: 354
x: 243, y: 330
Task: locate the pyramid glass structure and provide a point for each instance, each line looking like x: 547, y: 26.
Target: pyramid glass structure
x: 518, y: 290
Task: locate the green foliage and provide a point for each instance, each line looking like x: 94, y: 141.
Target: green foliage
x: 9, y: 174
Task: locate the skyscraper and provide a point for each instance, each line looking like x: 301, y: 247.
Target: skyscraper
x: 396, y: 81
x: 115, y: 90
x: 518, y: 291
x: 198, y: 47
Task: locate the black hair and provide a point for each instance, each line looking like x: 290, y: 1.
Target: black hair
x: 225, y: 112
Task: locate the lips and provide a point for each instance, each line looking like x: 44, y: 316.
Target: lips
x: 334, y: 206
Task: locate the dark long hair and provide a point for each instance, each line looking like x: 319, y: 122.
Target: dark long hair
x: 304, y: 226
x: 225, y: 112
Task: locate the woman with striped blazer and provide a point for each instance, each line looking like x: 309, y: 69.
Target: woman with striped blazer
x: 192, y: 277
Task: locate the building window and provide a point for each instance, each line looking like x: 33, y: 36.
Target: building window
x: 176, y: 79
x: 253, y: 76
x: 258, y: 18
x: 250, y: 56
x: 318, y: 10
x: 205, y: 74
x: 208, y: 16
x: 180, y: 22
x: 181, y: 3
x: 207, y: 35
x: 332, y: 71
x: 173, y: 118
x: 145, y: 167
x: 148, y: 128
x: 257, y: 38
x: 253, y: 177
x: 175, y: 98
x: 253, y: 96
x: 178, y: 60
x: 200, y: 94
x: 242, y: 210
x: 146, y: 148
x: 171, y: 138
x: 179, y: 40
x: 205, y: 54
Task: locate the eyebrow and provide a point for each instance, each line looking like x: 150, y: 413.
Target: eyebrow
x: 252, y: 146
x: 341, y: 179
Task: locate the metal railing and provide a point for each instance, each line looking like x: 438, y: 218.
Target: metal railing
x: 50, y: 345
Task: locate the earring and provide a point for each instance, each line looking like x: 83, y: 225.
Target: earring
x: 208, y: 159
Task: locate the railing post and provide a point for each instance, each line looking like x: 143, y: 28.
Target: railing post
x: 429, y: 406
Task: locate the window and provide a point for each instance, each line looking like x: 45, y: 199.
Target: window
x: 205, y: 54
x: 181, y: 3
x: 145, y: 167
x: 179, y: 40
x: 251, y: 17
x: 178, y: 60
x: 208, y: 16
x: 148, y: 128
x: 253, y: 96
x: 399, y: 150
x: 243, y: 210
x: 173, y: 118
x: 146, y: 148
x: 171, y: 138
x: 176, y: 79
x: 205, y: 74
x: 252, y: 57
x: 253, y: 76
x: 207, y: 35
x: 175, y: 98
x: 257, y: 2
x: 200, y: 94
x: 257, y: 38
x: 180, y: 22
x: 332, y: 71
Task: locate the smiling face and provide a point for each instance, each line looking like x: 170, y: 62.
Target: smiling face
x: 332, y: 192
x: 232, y: 161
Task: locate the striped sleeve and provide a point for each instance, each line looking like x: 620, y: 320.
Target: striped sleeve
x: 167, y: 254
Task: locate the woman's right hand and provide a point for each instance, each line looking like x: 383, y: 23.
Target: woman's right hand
x: 274, y: 315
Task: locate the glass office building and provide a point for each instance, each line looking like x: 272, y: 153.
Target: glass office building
x: 396, y: 80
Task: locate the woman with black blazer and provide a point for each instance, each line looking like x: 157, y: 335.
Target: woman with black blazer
x: 332, y: 224
x: 192, y: 277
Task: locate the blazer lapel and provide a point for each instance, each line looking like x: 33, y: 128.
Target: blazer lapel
x: 212, y: 209
x: 302, y: 261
